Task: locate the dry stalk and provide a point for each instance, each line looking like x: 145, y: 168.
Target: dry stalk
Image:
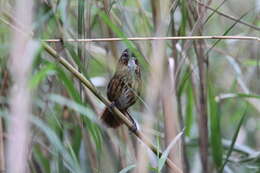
x: 216, y: 37
x: 2, y: 158
x: 171, y: 117
x: 22, y: 53
x: 201, y: 89
x: 3, y: 91
x: 156, y: 78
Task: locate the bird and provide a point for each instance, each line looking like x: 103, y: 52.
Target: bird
x: 123, y: 89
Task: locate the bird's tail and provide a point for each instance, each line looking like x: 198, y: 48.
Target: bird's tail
x: 110, y: 119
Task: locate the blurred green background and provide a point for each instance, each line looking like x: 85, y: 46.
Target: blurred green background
x: 66, y: 133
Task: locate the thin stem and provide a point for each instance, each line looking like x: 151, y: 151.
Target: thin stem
x: 228, y: 16
x: 232, y: 37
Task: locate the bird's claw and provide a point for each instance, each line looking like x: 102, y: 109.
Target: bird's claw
x: 133, y: 128
x: 112, y: 106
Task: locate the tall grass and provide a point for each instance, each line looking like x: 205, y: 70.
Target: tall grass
x: 194, y: 91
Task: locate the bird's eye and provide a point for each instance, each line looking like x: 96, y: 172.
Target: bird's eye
x: 125, y: 54
x: 136, y: 61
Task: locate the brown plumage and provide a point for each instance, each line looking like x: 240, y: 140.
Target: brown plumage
x: 123, y: 88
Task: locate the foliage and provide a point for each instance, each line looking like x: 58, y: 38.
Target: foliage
x: 66, y: 133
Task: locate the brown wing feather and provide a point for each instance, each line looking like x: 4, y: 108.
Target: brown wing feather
x: 115, y: 87
x: 122, y: 90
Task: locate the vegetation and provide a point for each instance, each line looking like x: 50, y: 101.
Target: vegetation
x: 199, y: 106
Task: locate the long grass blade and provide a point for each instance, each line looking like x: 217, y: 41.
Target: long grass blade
x: 231, y: 148
x: 215, y: 135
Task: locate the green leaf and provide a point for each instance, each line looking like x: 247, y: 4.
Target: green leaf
x: 81, y: 27
x: 83, y: 110
x: 237, y: 95
x: 215, y: 10
x: 231, y: 148
x: 121, y: 34
x: 225, y: 33
x: 189, y: 110
x: 184, y: 18
x: 68, y: 160
x: 42, y: 161
x: 251, y: 62
x: 215, y: 131
x: 125, y: 170
x: 69, y: 84
x: 47, y: 70
x: 165, y: 154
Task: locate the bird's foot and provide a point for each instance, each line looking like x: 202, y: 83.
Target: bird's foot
x: 112, y: 106
x: 133, y: 128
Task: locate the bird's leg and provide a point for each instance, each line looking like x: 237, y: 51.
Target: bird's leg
x: 134, y: 126
x: 111, y: 106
